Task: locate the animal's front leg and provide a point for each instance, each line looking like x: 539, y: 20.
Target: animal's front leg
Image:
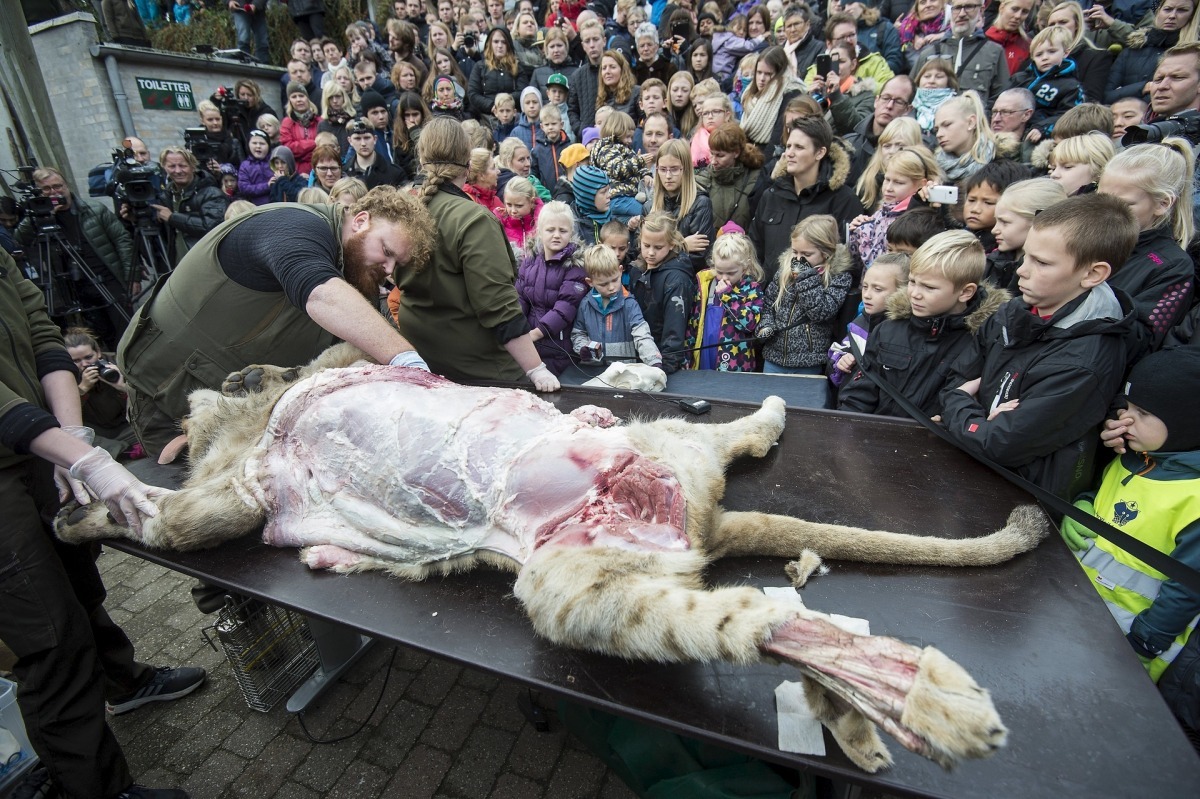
x: 262, y: 377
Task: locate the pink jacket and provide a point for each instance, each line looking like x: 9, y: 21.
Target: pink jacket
x: 521, y: 231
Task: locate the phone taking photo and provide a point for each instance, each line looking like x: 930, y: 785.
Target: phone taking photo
x: 824, y: 64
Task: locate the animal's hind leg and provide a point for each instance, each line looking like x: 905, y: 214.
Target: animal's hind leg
x: 737, y: 533
x: 264, y: 377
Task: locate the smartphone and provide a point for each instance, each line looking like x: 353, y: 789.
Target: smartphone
x: 824, y: 64
x: 679, y: 29
x: 946, y: 195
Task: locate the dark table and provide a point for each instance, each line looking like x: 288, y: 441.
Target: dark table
x: 798, y: 391
x: 1084, y: 719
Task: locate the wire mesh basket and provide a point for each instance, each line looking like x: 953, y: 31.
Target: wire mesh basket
x: 270, y: 649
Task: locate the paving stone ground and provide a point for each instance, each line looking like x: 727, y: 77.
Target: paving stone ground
x: 440, y: 730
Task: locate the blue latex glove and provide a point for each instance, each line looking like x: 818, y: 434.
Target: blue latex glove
x: 1074, y: 533
x: 410, y: 359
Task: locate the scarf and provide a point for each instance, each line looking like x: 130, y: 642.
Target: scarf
x: 758, y: 121
x: 336, y: 118
x: 927, y: 102
x: 909, y: 27
x: 958, y: 167
x: 306, y: 119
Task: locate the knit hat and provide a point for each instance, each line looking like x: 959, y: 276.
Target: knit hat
x: 371, y: 99
x: 587, y: 182
x: 530, y: 90
x: 707, y: 16
x: 573, y: 154
x: 1166, y: 383
x: 558, y: 79
x: 261, y: 134
x: 296, y: 87
x: 590, y: 135
x: 458, y: 90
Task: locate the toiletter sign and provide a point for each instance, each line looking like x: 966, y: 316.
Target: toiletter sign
x: 166, y: 95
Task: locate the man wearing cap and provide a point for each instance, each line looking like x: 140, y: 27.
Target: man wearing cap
x: 367, y: 163
x: 277, y: 285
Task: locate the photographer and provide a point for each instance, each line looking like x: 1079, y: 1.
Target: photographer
x: 103, y: 394
x: 214, y: 145
x: 248, y: 108
x: 190, y: 205
x: 653, y: 60
x: 250, y: 19
x: 101, y: 241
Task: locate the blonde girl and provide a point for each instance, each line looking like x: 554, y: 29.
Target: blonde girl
x: 907, y: 172
x: 313, y: 195
x: 343, y: 76
x: 887, y: 276
x: 348, y: 191
x: 1155, y: 181
x: 965, y: 139
x: 676, y: 193
x: 936, y: 83
x: 663, y: 283
x: 804, y: 297
x: 679, y: 96
x: 1077, y: 163
x: 728, y: 304
x: 900, y: 132
x: 521, y: 208
x: 551, y: 283
x: 1015, y: 210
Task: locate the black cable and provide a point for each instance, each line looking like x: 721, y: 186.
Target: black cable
x: 382, y: 690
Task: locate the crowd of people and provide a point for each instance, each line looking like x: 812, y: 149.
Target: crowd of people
x: 985, y: 208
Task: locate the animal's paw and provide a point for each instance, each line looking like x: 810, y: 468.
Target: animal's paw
x: 79, y: 524
x: 949, y: 710
x: 854, y: 733
x: 799, y: 571
x: 254, y: 379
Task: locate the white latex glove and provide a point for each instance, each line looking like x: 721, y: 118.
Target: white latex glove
x: 409, y: 358
x: 543, y: 379
x: 67, y: 485
x: 129, y: 500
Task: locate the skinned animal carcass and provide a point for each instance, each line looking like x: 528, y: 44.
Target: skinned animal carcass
x: 608, y: 528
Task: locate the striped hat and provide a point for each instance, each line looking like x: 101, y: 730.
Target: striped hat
x: 589, y: 180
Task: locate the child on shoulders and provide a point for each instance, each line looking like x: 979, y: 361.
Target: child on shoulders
x: 1052, y: 78
x: 927, y: 326
x: 610, y: 325
x: 550, y: 285
x: 663, y: 283
x: 614, y: 154
x: 727, y: 307
x: 1040, y: 375
x: 888, y: 275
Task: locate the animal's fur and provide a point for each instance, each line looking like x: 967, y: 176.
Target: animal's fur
x: 651, y: 605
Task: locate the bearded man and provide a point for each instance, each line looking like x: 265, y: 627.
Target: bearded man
x: 276, y: 286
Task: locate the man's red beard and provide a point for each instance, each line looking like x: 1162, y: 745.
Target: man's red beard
x: 359, y: 273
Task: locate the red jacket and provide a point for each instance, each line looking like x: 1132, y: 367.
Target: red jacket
x: 300, y: 140
x: 1016, y: 47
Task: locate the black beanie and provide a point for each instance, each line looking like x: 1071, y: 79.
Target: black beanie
x: 371, y: 99
x: 1167, y: 384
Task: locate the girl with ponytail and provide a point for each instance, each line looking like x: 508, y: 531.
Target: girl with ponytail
x: 965, y: 139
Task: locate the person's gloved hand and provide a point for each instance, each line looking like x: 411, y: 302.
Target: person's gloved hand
x: 68, y: 486
x: 409, y: 358
x: 129, y: 500
x: 543, y: 379
x: 1074, y: 533
x: 1143, y: 648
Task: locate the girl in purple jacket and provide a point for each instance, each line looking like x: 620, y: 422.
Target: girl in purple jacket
x: 550, y: 285
x: 254, y: 175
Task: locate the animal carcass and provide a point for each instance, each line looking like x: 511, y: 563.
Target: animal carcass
x: 608, y: 528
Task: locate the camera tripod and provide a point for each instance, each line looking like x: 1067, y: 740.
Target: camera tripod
x: 61, y: 268
x: 150, y: 257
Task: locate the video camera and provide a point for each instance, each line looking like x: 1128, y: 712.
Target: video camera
x: 227, y: 103
x: 132, y: 183
x: 33, y: 203
x: 195, y: 140
x: 1186, y: 125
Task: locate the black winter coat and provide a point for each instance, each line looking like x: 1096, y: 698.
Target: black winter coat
x: 1134, y: 67
x: 381, y: 173
x: 1094, y: 67
x: 665, y: 295
x: 1065, y: 370
x: 201, y: 208
x: 914, y: 355
x: 1158, y: 277
x: 581, y: 99
x: 697, y: 220
x: 485, y: 83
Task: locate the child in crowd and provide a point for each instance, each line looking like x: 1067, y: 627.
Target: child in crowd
x: 1041, y: 374
x: 1126, y: 112
x: 269, y: 124
x: 965, y: 139
x: 888, y: 275
x: 936, y: 83
x: 1152, y: 492
x: 652, y: 100
x: 551, y: 284
x: 504, y: 109
x: 1155, y: 181
x: 907, y: 172
x: 727, y: 307
x: 912, y: 229
x: 1019, y: 204
x: 550, y: 142
x: 447, y: 98
x: 557, y: 91
x: 285, y: 183
x: 900, y: 132
x: 615, y: 235
x: 927, y: 327
x: 803, y: 298
x: 591, y: 189
x: 609, y: 325
x: 103, y: 394
x: 981, y: 191
x: 1078, y: 162
x: 229, y: 182
x: 1052, y: 79
x: 238, y: 208
x: 615, y: 155
x: 571, y: 158
x: 521, y: 209
x: 529, y: 120
x: 181, y: 12
x: 663, y: 283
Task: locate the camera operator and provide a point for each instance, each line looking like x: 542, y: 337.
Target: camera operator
x: 250, y: 20
x: 103, y: 395
x: 102, y: 242
x: 1175, y: 102
x: 190, y: 205
x: 8, y: 222
x: 244, y: 113
x: 218, y: 145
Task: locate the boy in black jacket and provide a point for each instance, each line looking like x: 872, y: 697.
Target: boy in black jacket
x: 1040, y: 375
x: 1052, y: 78
x: 927, y: 327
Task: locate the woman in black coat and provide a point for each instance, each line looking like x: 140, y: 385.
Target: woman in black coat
x: 496, y: 73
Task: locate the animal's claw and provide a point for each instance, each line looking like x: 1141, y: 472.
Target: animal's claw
x: 253, y: 379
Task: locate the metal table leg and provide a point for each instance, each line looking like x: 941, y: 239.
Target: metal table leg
x: 339, y: 648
